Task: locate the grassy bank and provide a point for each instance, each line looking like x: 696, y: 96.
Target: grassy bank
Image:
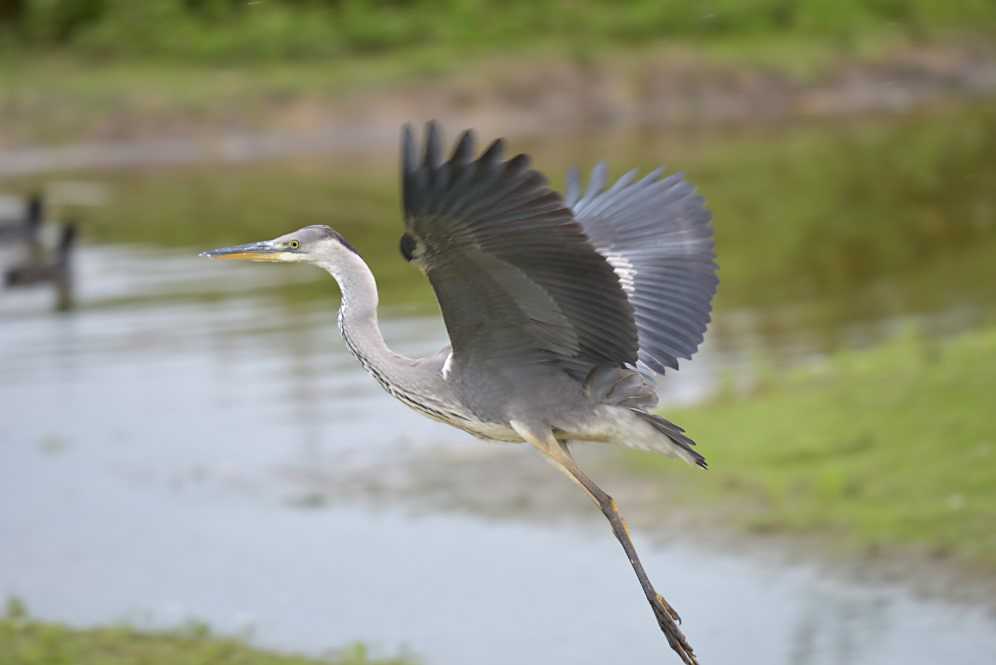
x: 59, y: 96
x: 97, y: 70
x: 882, y: 448
x: 238, y: 31
x: 24, y: 641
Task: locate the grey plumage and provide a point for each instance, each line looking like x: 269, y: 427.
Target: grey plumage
x: 655, y: 232
x: 492, y: 233
x: 559, y: 310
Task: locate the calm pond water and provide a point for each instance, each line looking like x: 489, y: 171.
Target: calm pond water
x: 146, y: 435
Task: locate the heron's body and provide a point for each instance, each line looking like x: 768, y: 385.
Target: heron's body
x: 560, y: 310
x: 485, y: 399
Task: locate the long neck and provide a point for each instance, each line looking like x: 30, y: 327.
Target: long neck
x: 416, y: 383
x: 358, y: 321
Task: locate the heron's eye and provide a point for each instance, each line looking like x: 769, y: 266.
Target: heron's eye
x: 294, y: 244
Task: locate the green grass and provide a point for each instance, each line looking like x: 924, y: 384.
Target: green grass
x: 24, y: 641
x: 76, y: 70
x: 62, y: 96
x: 889, y: 447
x: 235, y: 30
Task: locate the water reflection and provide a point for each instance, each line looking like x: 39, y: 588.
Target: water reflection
x: 819, y: 227
x: 171, y: 403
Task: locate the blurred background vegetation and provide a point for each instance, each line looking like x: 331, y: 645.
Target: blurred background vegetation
x: 74, y: 70
x: 240, y: 31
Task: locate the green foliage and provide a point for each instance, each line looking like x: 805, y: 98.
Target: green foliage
x: 57, y: 20
x: 236, y: 30
x: 888, y: 447
x: 24, y: 641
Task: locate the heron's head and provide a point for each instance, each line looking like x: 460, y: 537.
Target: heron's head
x: 312, y: 244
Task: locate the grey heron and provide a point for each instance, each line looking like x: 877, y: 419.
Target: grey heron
x: 560, y: 309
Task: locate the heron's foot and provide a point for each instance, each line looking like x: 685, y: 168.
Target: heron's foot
x: 667, y: 619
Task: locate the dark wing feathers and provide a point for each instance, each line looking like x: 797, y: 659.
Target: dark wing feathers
x: 655, y: 233
x: 516, y: 277
x: 623, y: 274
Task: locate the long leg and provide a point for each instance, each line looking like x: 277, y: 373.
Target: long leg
x: 667, y: 618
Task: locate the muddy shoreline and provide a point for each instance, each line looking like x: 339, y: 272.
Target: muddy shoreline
x: 503, y: 482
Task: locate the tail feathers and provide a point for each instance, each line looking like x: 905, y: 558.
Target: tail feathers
x: 676, y: 435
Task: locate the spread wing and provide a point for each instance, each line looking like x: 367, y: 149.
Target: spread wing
x: 517, y: 280
x: 655, y: 233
